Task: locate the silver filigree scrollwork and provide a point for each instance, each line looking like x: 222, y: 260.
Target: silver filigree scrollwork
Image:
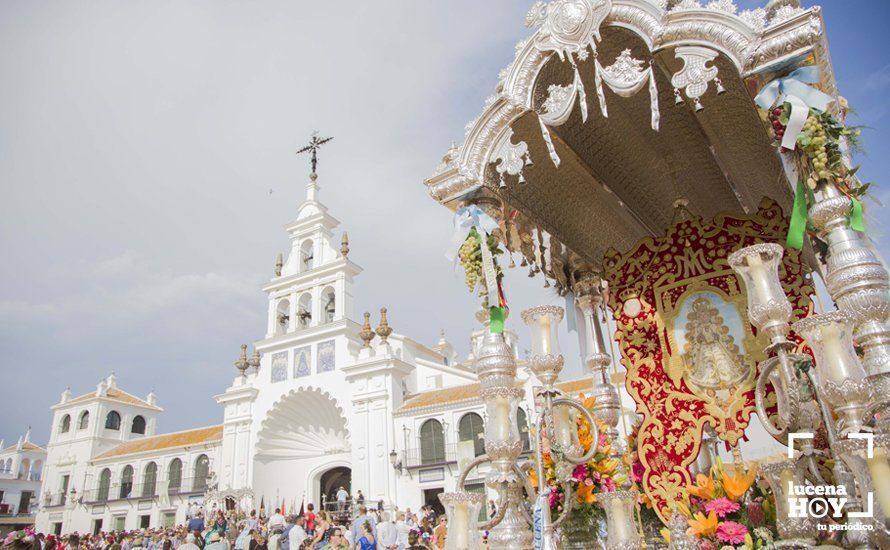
x: 756, y: 18
x: 568, y: 26
x: 626, y: 76
x: 511, y: 158
x: 726, y: 6
x: 696, y: 73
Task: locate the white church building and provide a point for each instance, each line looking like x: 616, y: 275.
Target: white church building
x: 324, y: 402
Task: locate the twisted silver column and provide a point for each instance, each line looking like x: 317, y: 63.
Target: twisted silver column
x: 860, y: 285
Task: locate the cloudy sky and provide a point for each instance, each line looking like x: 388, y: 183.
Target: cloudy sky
x: 139, y: 143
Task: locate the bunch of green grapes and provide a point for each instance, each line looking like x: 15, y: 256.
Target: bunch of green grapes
x: 815, y: 146
x: 470, y: 255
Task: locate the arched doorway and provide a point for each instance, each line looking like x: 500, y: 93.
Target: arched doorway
x: 331, y: 481
x: 302, y: 439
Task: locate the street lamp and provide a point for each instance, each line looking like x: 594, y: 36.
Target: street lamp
x: 394, y: 460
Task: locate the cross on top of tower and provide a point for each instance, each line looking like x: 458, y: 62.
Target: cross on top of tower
x: 314, y: 143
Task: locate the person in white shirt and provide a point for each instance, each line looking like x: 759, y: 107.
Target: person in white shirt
x: 387, y: 533
x: 342, y: 497
x: 296, y: 535
x: 403, y: 528
x: 277, y: 520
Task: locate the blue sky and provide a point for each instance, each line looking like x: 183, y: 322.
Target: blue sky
x: 139, y: 142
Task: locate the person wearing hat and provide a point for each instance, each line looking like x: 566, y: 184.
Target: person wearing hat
x: 215, y: 542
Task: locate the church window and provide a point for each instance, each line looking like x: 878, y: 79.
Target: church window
x: 472, y: 429
x: 279, y: 366
x: 113, y: 421
x: 522, y: 420
x: 202, y: 471
x: 302, y: 361
x: 328, y: 304
x: 174, y: 475
x: 138, y: 425
x: 65, y: 424
x: 149, y: 479
x: 326, y: 360
x: 432, y: 442
x: 126, y: 482
x: 304, y: 311
x: 36, y: 470
x: 104, y: 485
x: 307, y: 255
x: 282, y: 317
x: 84, y: 421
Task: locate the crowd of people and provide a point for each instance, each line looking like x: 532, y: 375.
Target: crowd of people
x: 362, y: 529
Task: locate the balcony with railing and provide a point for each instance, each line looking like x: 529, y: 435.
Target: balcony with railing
x: 185, y: 486
x: 432, y: 456
x: 437, y: 456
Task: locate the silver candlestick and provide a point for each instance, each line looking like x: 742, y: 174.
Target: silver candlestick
x: 860, y: 285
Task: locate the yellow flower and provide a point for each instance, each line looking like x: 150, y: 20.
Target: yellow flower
x: 606, y: 466
x: 533, y: 478
x: 666, y: 534
x: 702, y: 526
x: 703, y: 487
x: 736, y: 484
x: 585, y: 494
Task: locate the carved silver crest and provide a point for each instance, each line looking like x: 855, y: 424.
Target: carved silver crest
x: 695, y: 74
x: 511, y: 158
x: 567, y: 26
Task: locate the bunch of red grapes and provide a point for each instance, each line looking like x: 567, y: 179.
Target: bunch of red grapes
x: 778, y: 127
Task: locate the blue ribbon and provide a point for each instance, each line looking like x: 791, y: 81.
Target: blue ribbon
x: 796, y: 85
x: 793, y: 89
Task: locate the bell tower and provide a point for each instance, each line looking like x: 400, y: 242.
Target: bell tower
x: 313, y: 285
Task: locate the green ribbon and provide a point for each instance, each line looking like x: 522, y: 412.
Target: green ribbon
x: 797, y: 227
x: 856, y: 223
x: 496, y: 320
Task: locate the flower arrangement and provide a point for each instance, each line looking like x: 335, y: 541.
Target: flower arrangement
x: 822, y: 158
x: 821, y: 147
x: 20, y: 539
x: 718, y: 514
x: 601, y: 474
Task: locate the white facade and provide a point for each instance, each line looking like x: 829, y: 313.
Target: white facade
x: 395, y: 419
x: 21, y: 474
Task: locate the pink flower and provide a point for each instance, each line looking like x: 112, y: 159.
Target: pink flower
x: 602, y: 441
x: 722, y: 506
x: 705, y: 544
x: 731, y: 532
x: 608, y: 485
x: 555, y: 498
x: 580, y: 473
x: 588, y: 482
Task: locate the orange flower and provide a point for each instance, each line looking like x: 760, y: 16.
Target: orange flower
x: 736, y: 484
x: 587, y: 401
x: 533, y: 478
x: 703, y: 487
x: 585, y: 493
x: 702, y: 526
